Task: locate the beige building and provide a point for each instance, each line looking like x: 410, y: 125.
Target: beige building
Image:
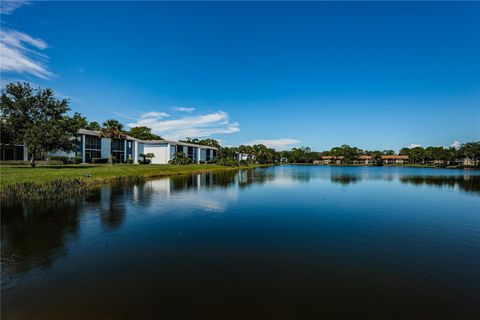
x: 366, y: 159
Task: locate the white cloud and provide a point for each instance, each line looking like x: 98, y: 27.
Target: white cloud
x: 456, y: 145
x: 184, y: 109
x: 277, y: 144
x: 154, y: 115
x: 21, y: 53
x: 7, y: 7
x: 413, y: 145
x: 188, y: 126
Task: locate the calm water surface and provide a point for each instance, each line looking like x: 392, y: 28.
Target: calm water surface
x: 289, y: 242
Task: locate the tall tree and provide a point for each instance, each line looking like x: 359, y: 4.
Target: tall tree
x: 94, y: 125
x: 388, y: 152
x: 39, y: 120
x: 205, y: 142
x: 471, y: 150
x: 143, y: 133
x: 114, y: 130
x: 377, y: 158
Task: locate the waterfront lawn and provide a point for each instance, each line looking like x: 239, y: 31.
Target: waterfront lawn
x: 97, y: 173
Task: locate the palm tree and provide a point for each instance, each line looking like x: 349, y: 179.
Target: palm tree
x: 114, y: 130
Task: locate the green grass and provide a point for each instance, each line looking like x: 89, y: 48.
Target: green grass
x: 56, y: 181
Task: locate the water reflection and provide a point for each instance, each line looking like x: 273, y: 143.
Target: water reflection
x: 274, y: 216
x: 34, y: 235
x: 345, y: 179
x: 468, y: 183
x: 465, y: 183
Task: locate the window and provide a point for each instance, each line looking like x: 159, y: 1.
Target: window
x: 78, y: 151
x: 190, y: 152
x: 118, y: 145
x: 208, y: 154
x: 214, y: 154
x: 118, y: 156
x: 9, y: 152
x: 93, y: 148
x: 91, y: 154
x: 180, y: 149
x: 118, y: 150
x: 92, y: 142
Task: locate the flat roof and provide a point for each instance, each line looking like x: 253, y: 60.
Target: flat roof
x: 176, y: 143
x: 97, y: 133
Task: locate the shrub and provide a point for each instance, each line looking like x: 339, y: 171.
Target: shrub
x: 201, y: 162
x: 180, y: 161
x: 14, y: 162
x: 53, y: 163
x: 77, y: 160
x: 146, y: 161
x: 99, y: 160
x: 179, y: 158
x: 129, y: 161
x: 229, y: 162
x: 63, y: 159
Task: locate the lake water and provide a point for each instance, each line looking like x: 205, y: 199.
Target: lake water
x: 286, y: 242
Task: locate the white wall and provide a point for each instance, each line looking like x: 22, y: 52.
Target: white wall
x: 161, y: 152
x: 106, y: 147
x: 62, y: 154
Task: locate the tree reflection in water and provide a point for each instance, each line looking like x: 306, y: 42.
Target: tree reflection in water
x: 345, y: 179
x: 34, y: 234
x: 465, y: 183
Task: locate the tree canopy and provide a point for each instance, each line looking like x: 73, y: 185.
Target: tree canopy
x: 36, y: 118
x: 94, y: 125
x: 143, y: 133
x: 206, y: 142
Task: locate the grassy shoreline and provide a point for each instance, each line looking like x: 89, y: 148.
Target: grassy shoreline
x: 21, y: 182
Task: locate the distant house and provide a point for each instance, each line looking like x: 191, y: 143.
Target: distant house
x: 466, y: 162
x: 240, y: 156
x: 92, y: 146
x: 395, y: 159
x: 366, y: 159
x: 332, y: 159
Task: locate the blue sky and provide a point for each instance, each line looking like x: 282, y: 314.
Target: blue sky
x: 373, y: 75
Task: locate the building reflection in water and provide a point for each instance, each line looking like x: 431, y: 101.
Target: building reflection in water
x: 35, y: 234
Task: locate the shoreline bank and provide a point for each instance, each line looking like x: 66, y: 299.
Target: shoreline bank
x: 53, y: 182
